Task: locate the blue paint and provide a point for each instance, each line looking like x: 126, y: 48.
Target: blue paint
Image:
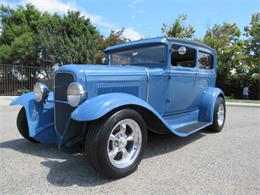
x: 103, y: 104
x: 39, y: 118
x: 177, y: 96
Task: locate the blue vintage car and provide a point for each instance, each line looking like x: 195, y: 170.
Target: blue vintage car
x: 160, y: 85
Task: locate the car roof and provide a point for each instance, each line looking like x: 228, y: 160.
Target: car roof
x: 157, y: 40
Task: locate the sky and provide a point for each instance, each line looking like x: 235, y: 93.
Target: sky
x: 144, y: 18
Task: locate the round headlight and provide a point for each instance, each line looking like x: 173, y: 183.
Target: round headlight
x: 75, y: 94
x: 40, y: 91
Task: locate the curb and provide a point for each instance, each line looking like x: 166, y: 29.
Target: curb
x: 242, y: 104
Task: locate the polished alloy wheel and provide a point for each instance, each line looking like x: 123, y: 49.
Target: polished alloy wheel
x: 124, y: 143
x: 221, y: 114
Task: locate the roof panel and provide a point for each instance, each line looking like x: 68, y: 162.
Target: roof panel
x: 158, y: 40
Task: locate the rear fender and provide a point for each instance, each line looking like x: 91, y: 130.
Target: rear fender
x: 39, y: 118
x: 208, y: 102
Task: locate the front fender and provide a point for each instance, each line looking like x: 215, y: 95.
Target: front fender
x: 99, y: 106
x: 208, y: 101
x: 39, y: 116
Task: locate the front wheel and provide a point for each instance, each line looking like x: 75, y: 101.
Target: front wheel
x: 22, y: 125
x: 219, y: 115
x: 115, y: 144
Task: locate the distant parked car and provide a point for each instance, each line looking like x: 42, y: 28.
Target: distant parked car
x: 161, y: 85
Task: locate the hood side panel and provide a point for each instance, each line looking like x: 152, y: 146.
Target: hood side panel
x: 134, y: 85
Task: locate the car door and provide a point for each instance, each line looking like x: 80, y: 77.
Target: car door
x: 206, y: 73
x: 182, y: 81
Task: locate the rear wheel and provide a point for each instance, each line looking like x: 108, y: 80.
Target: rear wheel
x: 115, y: 144
x: 22, y: 125
x: 219, y: 116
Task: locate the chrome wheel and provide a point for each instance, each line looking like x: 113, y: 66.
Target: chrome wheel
x: 124, y: 143
x: 221, y: 114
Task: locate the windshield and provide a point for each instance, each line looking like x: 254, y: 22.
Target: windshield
x: 144, y: 55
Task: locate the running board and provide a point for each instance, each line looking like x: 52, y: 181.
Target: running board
x: 191, y: 128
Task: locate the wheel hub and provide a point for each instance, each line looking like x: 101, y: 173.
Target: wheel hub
x: 126, y: 140
x: 122, y: 143
x: 221, y: 114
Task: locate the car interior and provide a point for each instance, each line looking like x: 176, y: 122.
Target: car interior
x: 186, y: 60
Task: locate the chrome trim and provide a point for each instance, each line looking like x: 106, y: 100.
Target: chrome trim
x: 221, y: 114
x: 58, y: 101
x: 82, y: 92
x: 109, y: 74
x: 62, y: 73
x: 126, y: 139
x: 147, y: 84
x: 43, y: 90
x: 54, y: 112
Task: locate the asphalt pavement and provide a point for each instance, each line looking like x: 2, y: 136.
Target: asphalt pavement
x: 203, y: 163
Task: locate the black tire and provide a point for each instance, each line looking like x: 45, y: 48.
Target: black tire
x: 216, y: 127
x: 97, y: 143
x: 22, y: 125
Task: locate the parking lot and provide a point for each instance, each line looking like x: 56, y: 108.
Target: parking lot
x: 221, y: 163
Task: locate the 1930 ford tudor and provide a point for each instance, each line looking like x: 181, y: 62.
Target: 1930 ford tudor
x: 161, y: 85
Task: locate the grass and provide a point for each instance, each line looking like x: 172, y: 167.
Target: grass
x: 229, y: 99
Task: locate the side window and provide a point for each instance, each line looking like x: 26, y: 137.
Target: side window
x: 186, y: 60
x: 205, y: 60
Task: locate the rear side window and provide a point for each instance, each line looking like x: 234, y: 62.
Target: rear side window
x: 186, y: 60
x: 205, y: 60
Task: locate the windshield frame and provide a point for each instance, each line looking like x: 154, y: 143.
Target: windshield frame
x: 150, y: 64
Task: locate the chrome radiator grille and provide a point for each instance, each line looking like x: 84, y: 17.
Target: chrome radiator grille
x: 62, y: 110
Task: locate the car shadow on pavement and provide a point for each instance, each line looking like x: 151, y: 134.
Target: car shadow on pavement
x: 67, y: 169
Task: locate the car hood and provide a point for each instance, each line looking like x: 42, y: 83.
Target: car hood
x: 107, y: 69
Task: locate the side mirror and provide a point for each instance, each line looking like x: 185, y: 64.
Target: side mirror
x: 182, y: 50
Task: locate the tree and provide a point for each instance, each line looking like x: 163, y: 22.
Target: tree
x: 234, y: 67
x: 252, y: 32
x: 18, y: 40
x: 252, y: 47
x: 68, y: 39
x: 115, y: 37
x: 225, y: 39
x: 29, y: 37
x: 177, y: 29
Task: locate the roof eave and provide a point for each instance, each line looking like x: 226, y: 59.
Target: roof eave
x: 137, y: 43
